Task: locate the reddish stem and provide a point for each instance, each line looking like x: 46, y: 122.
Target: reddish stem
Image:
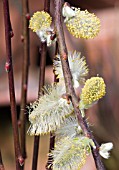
x: 8, y: 31
x: 50, y: 159
x: 52, y: 138
x: 24, y: 86
x: 68, y: 80
x: 41, y: 84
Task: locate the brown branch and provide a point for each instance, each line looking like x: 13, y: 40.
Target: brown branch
x: 35, y: 153
x: 50, y: 159
x: 1, y: 162
x: 68, y: 80
x: 52, y: 137
x: 41, y: 84
x: 25, y: 67
x: 9, y: 69
x: 47, y: 5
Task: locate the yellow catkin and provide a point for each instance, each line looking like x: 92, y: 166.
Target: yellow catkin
x: 70, y: 153
x: 40, y: 20
x: 83, y: 24
x: 93, y: 90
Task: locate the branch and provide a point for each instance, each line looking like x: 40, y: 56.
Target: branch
x: 68, y: 80
x: 41, y: 84
x: 9, y: 69
x: 52, y: 137
x: 1, y: 162
x: 50, y: 159
x: 25, y: 64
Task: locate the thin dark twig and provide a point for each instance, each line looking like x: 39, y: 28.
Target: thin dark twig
x: 9, y: 69
x: 50, y: 159
x: 25, y: 70
x: 1, y: 162
x: 68, y: 80
x: 47, y: 6
x: 41, y: 84
x: 52, y: 137
x: 35, y: 153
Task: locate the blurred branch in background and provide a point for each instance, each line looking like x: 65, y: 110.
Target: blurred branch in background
x: 43, y: 50
x: 52, y: 136
x: 25, y: 70
x: 41, y: 83
x: 9, y: 70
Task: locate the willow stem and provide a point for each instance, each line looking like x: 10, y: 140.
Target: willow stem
x: 41, y: 84
x: 52, y: 137
x: 50, y: 159
x: 9, y: 69
x: 68, y: 80
x: 25, y: 70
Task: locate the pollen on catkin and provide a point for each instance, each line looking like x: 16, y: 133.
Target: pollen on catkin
x: 69, y: 128
x: 70, y: 153
x: 93, y: 90
x: 77, y: 65
x: 49, y: 111
x: 83, y: 25
x: 40, y: 20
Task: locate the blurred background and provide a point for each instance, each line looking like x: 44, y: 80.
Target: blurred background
x: 102, y: 57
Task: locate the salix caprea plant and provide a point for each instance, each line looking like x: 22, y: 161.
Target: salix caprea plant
x: 53, y: 111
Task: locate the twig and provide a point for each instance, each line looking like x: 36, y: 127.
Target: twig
x: 35, y: 153
x: 52, y: 137
x: 41, y: 84
x: 9, y: 69
x: 25, y: 68
x: 50, y: 159
x: 47, y: 5
x: 1, y: 162
x: 68, y: 80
